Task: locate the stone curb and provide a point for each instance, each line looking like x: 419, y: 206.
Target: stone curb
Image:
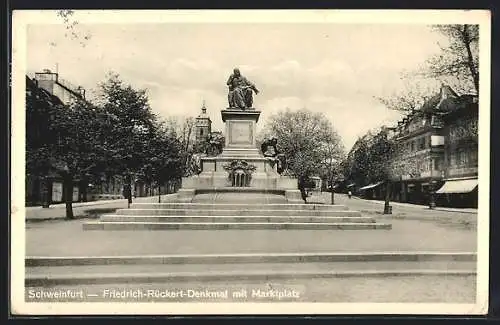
x: 34, y: 261
x: 95, y: 279
x: 97, y: 225
x: 236, y: 212
x: 233, y: 218
x: 239, y: 206
x: 417, y: 206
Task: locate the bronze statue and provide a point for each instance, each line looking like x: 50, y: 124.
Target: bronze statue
x: 240, y: 91
x: 269, y: 147
x: 269, y: 150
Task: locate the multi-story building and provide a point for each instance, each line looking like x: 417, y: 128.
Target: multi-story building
x: 436, y: 158
x: 438, y: 152
x: 51, y: 91
x: 461, y: 155
x: 58, y: 87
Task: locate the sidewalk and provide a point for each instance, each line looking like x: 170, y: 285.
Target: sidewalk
x: 81, y: 209
x: 76, y: 204
x: 418, y: 206
x: 341, y: 198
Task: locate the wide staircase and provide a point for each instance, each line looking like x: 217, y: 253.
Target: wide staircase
x: 224, y: 211
x: 259, y: 220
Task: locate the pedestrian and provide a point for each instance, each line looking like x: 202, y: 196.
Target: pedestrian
x: 127, y: 190
x: 302, y: 188
x: 349, y: 193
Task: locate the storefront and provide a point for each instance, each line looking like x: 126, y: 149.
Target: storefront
x: 371, y: 191
x: 460, y: 193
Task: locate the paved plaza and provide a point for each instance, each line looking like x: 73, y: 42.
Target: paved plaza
x: 435, y: 231
x: 416, y: 230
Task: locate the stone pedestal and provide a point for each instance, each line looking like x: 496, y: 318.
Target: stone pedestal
x: 240, y: 149
x: 240, y: 128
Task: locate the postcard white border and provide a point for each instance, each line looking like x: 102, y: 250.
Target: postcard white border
x: 21, y: 19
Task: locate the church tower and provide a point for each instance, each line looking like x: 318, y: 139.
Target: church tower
x: 203, y: 125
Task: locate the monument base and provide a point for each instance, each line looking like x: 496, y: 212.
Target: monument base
x: 240, y: 165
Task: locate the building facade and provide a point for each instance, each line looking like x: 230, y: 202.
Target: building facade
x: 461, y: 155
x: 436, y: 155
x: 48, y: 90
x: 58, y: 87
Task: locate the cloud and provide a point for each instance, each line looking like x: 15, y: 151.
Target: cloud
x: 334, y: 69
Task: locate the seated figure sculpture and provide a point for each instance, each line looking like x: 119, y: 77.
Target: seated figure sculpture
x: 240, y: 91
x: 269, y: 150
x: 269, y: 147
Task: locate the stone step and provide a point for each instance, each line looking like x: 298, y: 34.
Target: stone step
x: 108, y: 274
x: 237, y: 212
x: 239, y: 198
x: 238, y: 206
x: 234, y: 219
x: 99, y: 225
x: 253, y: 258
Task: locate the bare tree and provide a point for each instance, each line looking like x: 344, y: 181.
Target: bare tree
x: 411, y: 97
x: 71, y: 24
x: 182, y: 128
x: 459, y: 59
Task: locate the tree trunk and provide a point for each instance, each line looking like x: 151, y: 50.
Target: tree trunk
x: 68, y: 195
x: 470, y: 58
x: 332, y: 198
x: 84, y: 185
x: 159, y: 193
x: 387, y: 207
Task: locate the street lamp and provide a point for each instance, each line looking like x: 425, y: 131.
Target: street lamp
x: 432, y: 200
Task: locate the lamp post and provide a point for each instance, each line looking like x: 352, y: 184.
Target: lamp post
x: 45, y: 192
x: 432, y: 200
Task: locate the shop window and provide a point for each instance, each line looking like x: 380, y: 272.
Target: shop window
x: 473, y: 158
x: 462, y: 158
x: 453, y: 159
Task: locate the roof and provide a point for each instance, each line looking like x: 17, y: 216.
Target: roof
x: 203, y: 114
x: 446, y: 100
x: 367, y: 187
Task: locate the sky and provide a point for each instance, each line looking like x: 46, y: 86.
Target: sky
x: 337, y: 69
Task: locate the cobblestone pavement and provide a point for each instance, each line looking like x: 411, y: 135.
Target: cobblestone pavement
x: 400, y: 289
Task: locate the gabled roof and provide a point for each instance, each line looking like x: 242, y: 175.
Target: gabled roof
x: 444, y: 101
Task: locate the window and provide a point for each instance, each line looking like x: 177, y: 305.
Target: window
x: 438, y: 163
x: 473, y: 158
x: 201, y: 132
x: 453, y: 159
x: 421, y: 144
x: 462, y: 158
x: 412, y: 145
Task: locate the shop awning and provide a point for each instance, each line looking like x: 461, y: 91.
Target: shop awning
x: 458, y: 186
x: 351, y: 185
x: 367, y: 187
